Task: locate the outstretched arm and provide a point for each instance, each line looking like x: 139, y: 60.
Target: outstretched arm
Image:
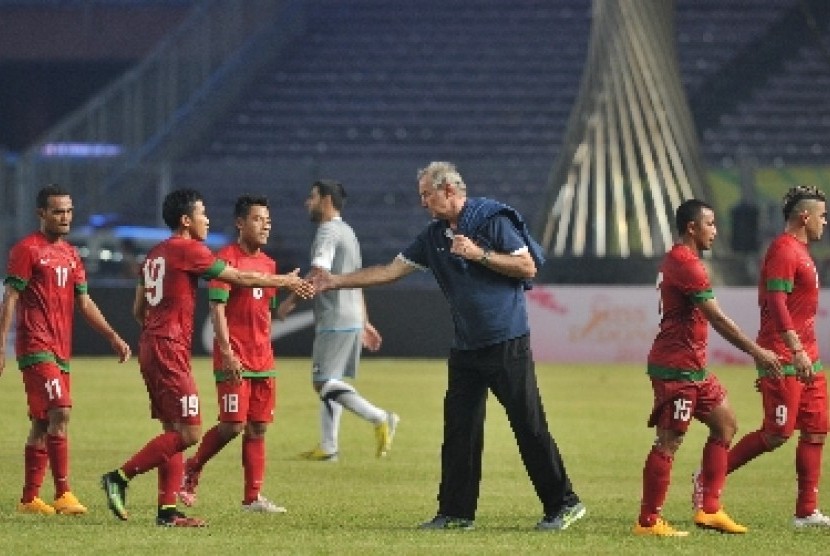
x: 250, y: 279
x: 369, y: 276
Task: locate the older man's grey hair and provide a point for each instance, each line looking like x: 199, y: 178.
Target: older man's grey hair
x: 441, y: 173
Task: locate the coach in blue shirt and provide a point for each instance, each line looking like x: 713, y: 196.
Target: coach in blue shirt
x: 483, y: 258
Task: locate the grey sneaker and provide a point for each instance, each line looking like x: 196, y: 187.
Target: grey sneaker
x: 448, y: 522
x: 815, y: 519
x: 562, y: 519
x: 263, y: 505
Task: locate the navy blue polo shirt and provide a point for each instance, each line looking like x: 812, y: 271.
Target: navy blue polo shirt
x: 487, y: 307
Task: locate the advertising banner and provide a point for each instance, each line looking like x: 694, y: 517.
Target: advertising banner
x: 569, y: 324
x: 605, y: 324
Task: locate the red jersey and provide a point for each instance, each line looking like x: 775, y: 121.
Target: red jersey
x: 48, y: 277
x: 247, y: 311
x: 679, y: 350
x: 788, y: 267
x: 170, y: 274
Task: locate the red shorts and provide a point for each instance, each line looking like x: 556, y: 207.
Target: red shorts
x: 165, y: 366
x: 250, y: 401
x: 47, y: 387
x: 790, y: 404
x: 676, y: 402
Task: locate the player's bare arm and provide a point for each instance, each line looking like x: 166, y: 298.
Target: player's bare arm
x: 369, y: 276
x: 726, y: 327
x: 286, y: 306
x: 10, y: 298
x: 89, y: 309
x: 518, y: 265
x: 140, y: 305
x: 230, y: 362
x: 777, y: 303
x: 249, y: 279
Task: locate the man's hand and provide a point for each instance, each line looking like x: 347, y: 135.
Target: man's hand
x: 232, y: 366
x: 323, y: 280
x: 121, y: 348
x: 371, y: 337
x: 803, y: 367
x: 299, y: 286
x: 465, y: 247
x: 768, y: 361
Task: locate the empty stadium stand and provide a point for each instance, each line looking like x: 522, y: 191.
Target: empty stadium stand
x: 376, y: 89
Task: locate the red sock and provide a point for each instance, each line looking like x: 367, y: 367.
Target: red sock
x: 171, y: 473
x: 656, y: 479
x: 211, y: 444
x: 808, y: 469
x: 253, y: 462
x: 153, y: 454
x: 57, y: 447
x: 749, y: 447
x: 35, y: 460
x: 713, y: 473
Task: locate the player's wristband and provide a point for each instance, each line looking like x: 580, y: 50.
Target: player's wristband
x: 485, y: 258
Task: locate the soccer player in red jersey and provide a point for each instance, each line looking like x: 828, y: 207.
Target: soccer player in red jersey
x: 46, y: 280
x: 164, y: 304
x: 788, y: 293
x: 243, y: 360
x: 683, y: 388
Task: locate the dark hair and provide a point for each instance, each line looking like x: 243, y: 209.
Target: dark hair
x: 333, y: 189
x: 688, y: 211
x: 800, y: 193
x: 178, y: 203
x: 51, y: 190
x: 244, y: 203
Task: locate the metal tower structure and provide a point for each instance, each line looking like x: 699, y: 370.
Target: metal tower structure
x: 630, y: 154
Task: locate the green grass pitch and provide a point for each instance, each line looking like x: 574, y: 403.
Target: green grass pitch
x: 362, y: 505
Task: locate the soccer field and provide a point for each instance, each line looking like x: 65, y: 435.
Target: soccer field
x: 370, y: 506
